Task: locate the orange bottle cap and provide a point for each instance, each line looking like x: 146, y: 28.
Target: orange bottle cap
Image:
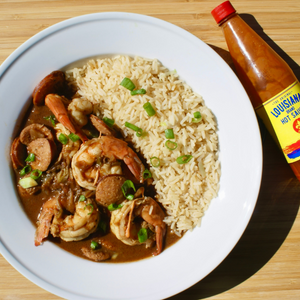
x: 222, y: 11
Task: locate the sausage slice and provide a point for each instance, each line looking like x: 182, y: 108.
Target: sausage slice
x: 18, y: 154
x: 44, y: 151
x: 95, y: 255
x: 54, y: 83
x: 109, y: 190
x: 35, y: 131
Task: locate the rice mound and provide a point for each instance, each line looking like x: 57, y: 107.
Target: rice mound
x: 185, y: 190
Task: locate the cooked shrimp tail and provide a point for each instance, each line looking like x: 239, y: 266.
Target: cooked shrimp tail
x: 101, y: 126
x: 120, y: 149
x: 44, y: 221
x: 160, y: 233
x: 134, y: 164
x: 55, y: 104
x: 152, y: 213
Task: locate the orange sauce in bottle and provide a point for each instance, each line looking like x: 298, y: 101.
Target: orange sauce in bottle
x: 264, y: 75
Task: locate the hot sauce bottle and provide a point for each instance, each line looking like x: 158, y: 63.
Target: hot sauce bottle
x: 270, y: 83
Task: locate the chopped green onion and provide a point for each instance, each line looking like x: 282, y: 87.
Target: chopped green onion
x: 142, y: 235
x: 155, y: 161
x: 128, y: 84
x: 169, y: 134
x: 183, y: 159
x: 27, y: 182
x: 138, y: 130
x: 92, y: 206
x: 52, y: 119
x: 139, y: 133
x: 63, y: 139
x: 127, y: 185
x: 114, y: 206
x: 171, y: 145
x: 102, y: 226
x: 38, y: 174
x: 81, y: 198
x: 130, y: 197
x: 138, y: 92
x: 25, y: 170
x: 197, y: 117
x: 147, y: 174
x: 109, y: 122
x: 149, y: 109
x: 94, y: 245
x: 73, y: 137
x: 30, y: 157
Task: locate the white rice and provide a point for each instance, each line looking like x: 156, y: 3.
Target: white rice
x: 184, y: 190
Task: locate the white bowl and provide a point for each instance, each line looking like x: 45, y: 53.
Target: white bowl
x: 198, y: 252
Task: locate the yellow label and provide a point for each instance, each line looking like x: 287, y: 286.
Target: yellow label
x: 283, y: 111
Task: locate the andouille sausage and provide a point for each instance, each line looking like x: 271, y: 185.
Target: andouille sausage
x: 109, y: 190
x: 54, y: 83
x: 18, y: 154
x: 35, y: 131
x: 96, y: 255
x: 44, y: 151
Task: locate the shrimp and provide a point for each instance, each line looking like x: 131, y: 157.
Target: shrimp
x: 55, y: 104
x: 69, y: 228
x: 78, y: 109
x: 124, y: 222
x: 100, y: 157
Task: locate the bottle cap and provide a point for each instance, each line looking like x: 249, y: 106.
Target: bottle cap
x: 222, y: 11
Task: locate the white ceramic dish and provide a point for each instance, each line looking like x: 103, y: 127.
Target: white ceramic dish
x: 198, y: 252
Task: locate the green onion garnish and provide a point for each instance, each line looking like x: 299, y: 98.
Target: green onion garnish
x: 52, y: 119
x: 138, y: 130
x: 197, y: 117
x: 127, y: 186
x: 92, y: 206
x: 36, y: 174
x: 139, y: 133
x: 155, y: 161
x: 102, y: 226
x: 171, y: 145
x: 94, y: 245
x: 183, y: 159
x: 142, y: 235
x: 109, y: 122
x: 25, y: 170
x: 73, y: 137
x: 147, y: 174
x: 114, y: 206
x: 81, y: 198
x: 138, y: 92
x: 169, y: 134
x: 128, y: 84
x: 27, y: 182
x: 63, y: 139
x: 130, y: 197
x: 30, y: 157
x: 149, y: 109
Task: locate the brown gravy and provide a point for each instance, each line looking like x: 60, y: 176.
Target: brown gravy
x: 33, y: 203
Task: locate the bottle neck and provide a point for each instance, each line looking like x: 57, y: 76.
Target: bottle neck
x: 227, y: 18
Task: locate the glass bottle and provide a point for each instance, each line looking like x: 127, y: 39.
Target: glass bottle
x: 270, y: 83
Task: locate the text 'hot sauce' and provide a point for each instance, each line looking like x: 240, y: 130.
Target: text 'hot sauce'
x: 270, y: 83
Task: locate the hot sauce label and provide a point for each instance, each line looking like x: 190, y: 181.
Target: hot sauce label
x: 283, y: 111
